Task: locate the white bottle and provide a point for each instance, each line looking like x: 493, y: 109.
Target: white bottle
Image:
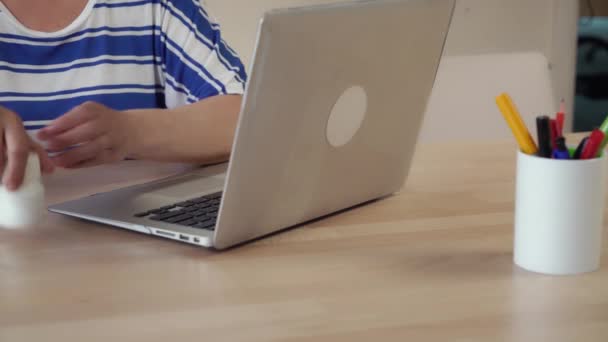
x: 26, y: 206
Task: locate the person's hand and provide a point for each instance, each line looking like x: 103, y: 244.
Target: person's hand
x: 15, y: 147
x: 88, y: 135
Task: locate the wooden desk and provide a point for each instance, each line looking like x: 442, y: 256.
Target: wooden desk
x: 430, y: 264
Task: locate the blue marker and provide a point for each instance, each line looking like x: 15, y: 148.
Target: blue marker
x: 561, y: 151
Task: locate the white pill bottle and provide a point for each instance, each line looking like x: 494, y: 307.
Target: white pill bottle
x: 26, y: 206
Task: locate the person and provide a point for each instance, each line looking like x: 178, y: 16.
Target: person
x: 104, y: 80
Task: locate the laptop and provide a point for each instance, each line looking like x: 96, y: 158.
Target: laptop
x: 330, y: 120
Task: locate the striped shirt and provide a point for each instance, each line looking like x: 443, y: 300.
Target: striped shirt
x: 125, y: 54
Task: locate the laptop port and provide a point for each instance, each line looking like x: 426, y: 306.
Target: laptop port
x: 196, y: 240
x: 164, y: 233
x: 184, y: 237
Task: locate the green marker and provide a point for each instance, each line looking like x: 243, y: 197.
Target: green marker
x: 603, y: 128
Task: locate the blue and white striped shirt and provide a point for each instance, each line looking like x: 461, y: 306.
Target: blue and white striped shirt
x: 125, y: 54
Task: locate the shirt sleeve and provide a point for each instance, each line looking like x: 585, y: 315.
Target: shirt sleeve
x: 196, y: 62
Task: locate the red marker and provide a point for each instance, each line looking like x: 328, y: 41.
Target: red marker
x: 593, y: 144
x: 561, y: 116
x: 554, y: 133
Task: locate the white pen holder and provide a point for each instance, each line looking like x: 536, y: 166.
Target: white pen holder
x: 559, y: 207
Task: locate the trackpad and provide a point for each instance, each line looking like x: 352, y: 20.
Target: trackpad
x: 189, y: 186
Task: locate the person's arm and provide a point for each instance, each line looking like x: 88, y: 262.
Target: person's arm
x: 199, y: 133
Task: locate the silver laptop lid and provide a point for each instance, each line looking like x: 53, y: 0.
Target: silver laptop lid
x: 293, y: 160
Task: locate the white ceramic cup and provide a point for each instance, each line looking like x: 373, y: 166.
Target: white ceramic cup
x: 559, y: 206
x: 26, y: 206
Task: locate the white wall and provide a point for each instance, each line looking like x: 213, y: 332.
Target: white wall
x: 492, y: 28
x: 239, y: 19
x: 526, y: 48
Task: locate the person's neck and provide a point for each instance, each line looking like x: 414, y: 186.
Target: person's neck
x: 45, y: 15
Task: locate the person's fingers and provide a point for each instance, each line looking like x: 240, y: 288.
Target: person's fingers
x: 79, y: 115
x: 17, y: 150
x: 78, y: 155
x: 88, y: 131
x: 46, y: 164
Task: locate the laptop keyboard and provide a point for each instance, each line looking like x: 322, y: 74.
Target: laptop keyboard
x: 200, y: 212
